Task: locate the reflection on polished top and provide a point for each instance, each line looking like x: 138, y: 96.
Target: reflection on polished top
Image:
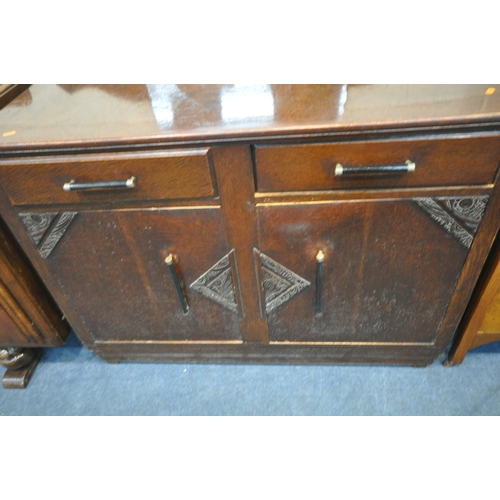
x: 46, y: 115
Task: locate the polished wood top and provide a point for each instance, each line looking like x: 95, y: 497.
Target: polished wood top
x: 72, y: 115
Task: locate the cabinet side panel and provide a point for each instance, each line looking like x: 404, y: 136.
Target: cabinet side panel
x: 480, y: 248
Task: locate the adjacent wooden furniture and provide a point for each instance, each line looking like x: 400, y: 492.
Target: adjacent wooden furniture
x: 481, y: 321
x: 9, y: 91
x: 29, y: 318
x: 268, y: 223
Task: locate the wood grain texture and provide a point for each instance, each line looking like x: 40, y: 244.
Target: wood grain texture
x: 166, y: 175
x: 478, y: 254
x: 439, y: 162
x: 8, y: 92
x: 10, y: 333
x: 102, y: 115
x: 369, y: 194
x: 236, y: 187
x: 396, y: 282
x: 10, y: 217
x: 255, y: 352
x: 483, y: 338
x: 111, y: 265
x: 389, y: 271
x: 471, y: 332
x: 25, y: 300
x: 27, y: 333
x: 491, y: 321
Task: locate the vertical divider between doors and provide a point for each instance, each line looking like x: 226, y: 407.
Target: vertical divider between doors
x: 234, y: 173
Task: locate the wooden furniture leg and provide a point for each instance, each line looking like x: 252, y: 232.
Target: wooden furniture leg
x: 20, y: 364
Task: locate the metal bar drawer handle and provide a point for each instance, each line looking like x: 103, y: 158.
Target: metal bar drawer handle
x: 74, y: 186
x: 409, y: 166
x: 320, y: 276
x: 170, y: 261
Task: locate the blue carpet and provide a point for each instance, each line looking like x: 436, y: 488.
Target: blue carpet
x: 72, y: 381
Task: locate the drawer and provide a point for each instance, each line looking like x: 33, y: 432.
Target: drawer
x: 157, y: 176
x: 438, y: 162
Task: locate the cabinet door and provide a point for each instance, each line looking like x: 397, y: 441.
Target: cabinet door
x: 111, y: 265
x: 390, y: 267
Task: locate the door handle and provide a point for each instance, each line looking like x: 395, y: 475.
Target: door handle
x: 320, y: 272
x: 170, y: 261
x: 72, y: 185
x: 408, y: 167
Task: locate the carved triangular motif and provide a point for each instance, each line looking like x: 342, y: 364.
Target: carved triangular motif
x: 37, y: 224
x: 217, y: 284
x: 459, y: 216
x: 46, y: 229
x: 280, y: 284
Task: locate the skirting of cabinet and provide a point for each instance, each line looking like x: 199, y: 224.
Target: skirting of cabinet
x: 298, y: 353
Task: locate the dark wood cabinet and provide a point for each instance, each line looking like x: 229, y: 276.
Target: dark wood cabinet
x: 252, y: 224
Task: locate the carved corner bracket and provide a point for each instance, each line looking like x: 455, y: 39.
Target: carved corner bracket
x: 459, y: 216
x: 46, y: 229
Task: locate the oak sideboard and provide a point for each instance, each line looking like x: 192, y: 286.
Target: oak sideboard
x: 256, y: 223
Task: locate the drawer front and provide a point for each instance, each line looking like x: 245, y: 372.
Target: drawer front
x: 438, y: 162
x: 158, y: 176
